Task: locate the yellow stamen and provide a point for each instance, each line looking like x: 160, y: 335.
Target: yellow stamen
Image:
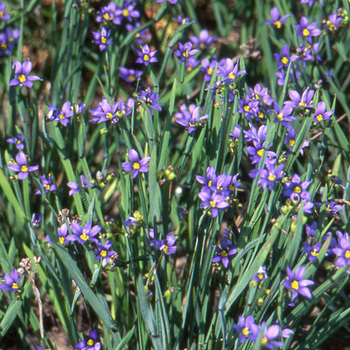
x: 62, y: 116
x: 260, y: 152
x: 103, y: 40
x: 212, y: 203
x: 22, y: 78
x: 264, y: 341
x: 106, y: 16
x: 14, y: 286
x: 24, y: 168
x: 210, y: 71
x: 90, y: 342
x: 165, y: 249
x: 295, y: 285
x: 305, y: 32
x: 146, y: 58
x: 284, y: 60
x: 319, y: 117
x: 246, y: 108
x: 103, y: 253
x: 245, y: 331
x: 136, y: 166
x: 297, y: 189
x: 291, y: 143
x: 271, y: 177
x: 231, y: 76
x: 347, y: 254
x: 223, y: 253
x: 84, y: 237
x: 61, y: 240
x: 314, y: 252
x: 131, y: 77
x: 125, y: 13
x: 185, y: 53
x: 278, y: 24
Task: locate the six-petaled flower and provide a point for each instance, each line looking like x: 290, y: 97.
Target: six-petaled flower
x: 136, y: 165
x: 22, y: 76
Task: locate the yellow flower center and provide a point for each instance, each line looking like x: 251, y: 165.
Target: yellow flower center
x: 24, y: 168
x: 210, y: 71
x: 103, y: 40
x: 47, y: 187
x: 131, y: 77
x: 109, y: 115
x: 305, y: 32
x: 62, y: 116
x: 165, y: 249
x: 146, y: 58
x: 223, y: 253
x: 18, y: 142
x: 90, y: 342
x: 103, y: 253
x: 245, y: 331
x: 3, y: 45
x: 284, y: 60
x: 14, y: 286
x: 209, y: 183
x: 297, y: 189
x: 261, y: 115
x: 22, y: 78
x: 271, y: 177
x: 185, y: 53
x: 264, y: 341
x: 295, y: 285
x: 212, y: 203
x: 260, y: 152
x: 278, y: 24
x: 291, y: 143
x: 231, y: 76
x: 302, y: 104
x: 202, y: 45
x: 260, y: 276
x: 1, y: 14
x: 246, y: 108
x: 136, y: 166
x: 125, y: 13
x: 84, y: 237
x: 347, y: 254
x: 319, y: 117
x: 61, y: 240
x: 314, y: 252
x: 106, y: 16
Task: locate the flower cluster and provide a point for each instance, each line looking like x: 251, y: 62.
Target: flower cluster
x: 217, y: 191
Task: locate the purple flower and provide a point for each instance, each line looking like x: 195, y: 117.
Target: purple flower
x: 11, y: 282
x: 342, y: 250
x: 105, y: 253
x: 102, y: 39
x: 228, y: 71
x: 284, y: 59
x: 146, y: 56
x: 46, y: 184
x: 82, y: 235
x: 18, y: 141
x: 183, y: 212
x: 276, y: 20
x: 150, y: 99
x: 141, y: 35
x: 295, y: 189
x: 333, y: 22
x: 312, y: 251
x: 165, y: 246
x: 261, y: 274
x: 310, y: 2
x: 260, y: 94
x: 331, y: 207
x: 75, y: 187
x: 136, y: 164
x: 185, y: 51
x: 36, y: 219
x: 208, y: 68
x: 310, y: 230
x: 190, y: 118
x: 270, y: 175
x: 320, y: 112
x: 172, y: 2
x: 293, y: 76
x: 248, y: 107
x: 3, y: 15
x: 129, y: 75
x: 22, y: 74
x: 191, y: 63
x: 64, y: 114
x: 290, y: 140
x: 108, y: 14
x: 296, y: 283
x: 204, y: 39
x: 224, y: 253
x: 181, y: 20
x: 127, y: 12
x: 212, y: 201
x: 90, y: 342
x: 306, y: 30
x: 303, y: 101
x: 284, y: 115
x: 247, y: 329
x: 252, y: 134
x: 256, y: 153
x: 105, y: 112
x: 22, y: 167
x: 272, y: 336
